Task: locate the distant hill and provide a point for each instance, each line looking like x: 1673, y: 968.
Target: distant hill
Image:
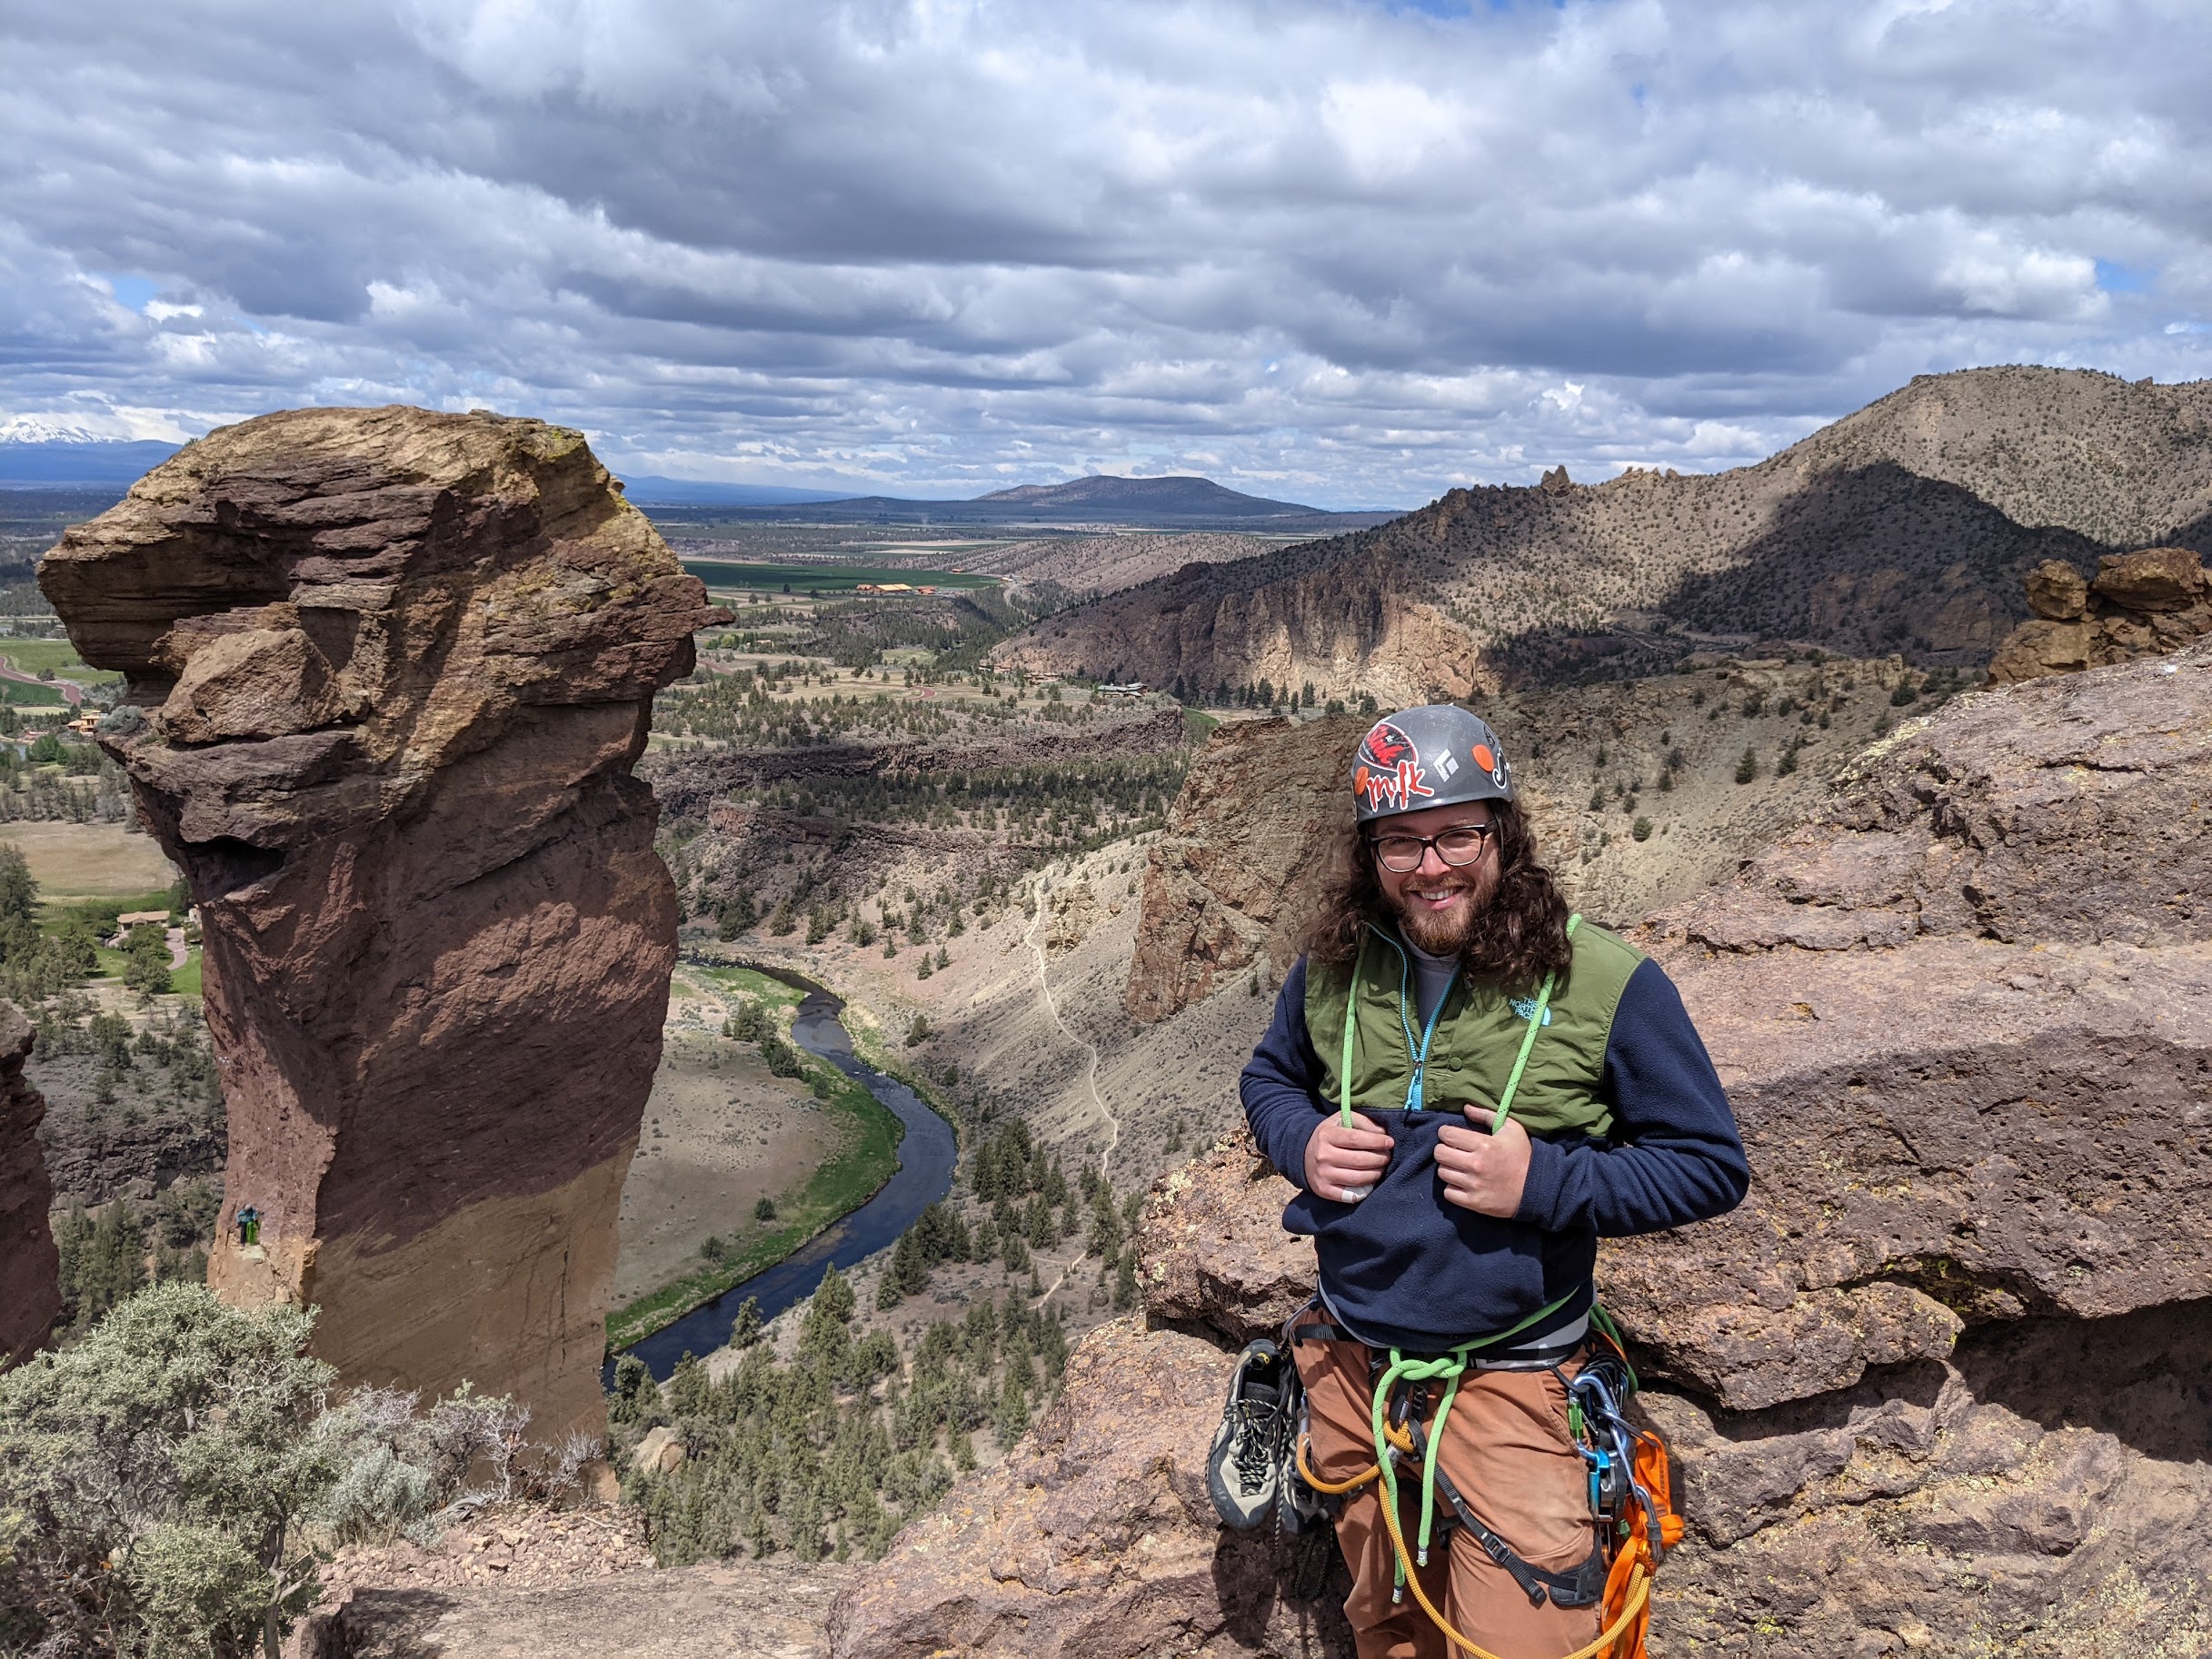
x: 66, y: 464
x: 1181, y: 495
x: 1905, y: 528
x: 1159, y: 503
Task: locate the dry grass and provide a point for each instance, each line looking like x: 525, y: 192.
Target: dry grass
x: 75, y: 861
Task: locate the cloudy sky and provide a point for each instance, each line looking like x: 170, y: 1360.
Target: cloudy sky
x: 1345, y: 251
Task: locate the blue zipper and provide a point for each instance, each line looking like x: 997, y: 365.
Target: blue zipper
x: 1415, y: 1085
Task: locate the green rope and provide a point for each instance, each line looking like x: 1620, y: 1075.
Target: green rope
x: 1447, y: 1368
x: 1528, y: 1040
x: 1350, y: 1031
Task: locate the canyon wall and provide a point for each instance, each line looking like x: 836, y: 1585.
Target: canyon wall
x: 387, y: 673
x: 30, y: 1285
x: 1939, y: 1387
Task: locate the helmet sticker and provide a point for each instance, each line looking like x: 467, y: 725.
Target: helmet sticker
x: 1391, y: 772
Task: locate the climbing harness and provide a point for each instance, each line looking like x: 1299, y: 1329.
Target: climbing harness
x: 1631, y: 1498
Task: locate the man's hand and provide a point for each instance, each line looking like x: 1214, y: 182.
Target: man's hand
x: 1344, y: 1161
x: 1483, y: 1172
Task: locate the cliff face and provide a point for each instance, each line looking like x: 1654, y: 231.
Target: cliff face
x: 1225, y: 884
x: 1907, y: 526
x: 388, y: 671
x: 1937, y: 1386
x: 30, y: 1285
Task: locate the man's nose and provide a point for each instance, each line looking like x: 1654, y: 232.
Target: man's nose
x: 1432, y: 863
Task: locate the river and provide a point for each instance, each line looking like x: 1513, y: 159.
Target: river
x: 926, y: 1155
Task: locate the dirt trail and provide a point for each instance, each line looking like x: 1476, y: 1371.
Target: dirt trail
x: 1091, y: 1072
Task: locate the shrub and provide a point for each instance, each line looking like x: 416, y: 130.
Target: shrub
x: 154, y: 1477
x: 1747, y: 769
x: 1642, y: 832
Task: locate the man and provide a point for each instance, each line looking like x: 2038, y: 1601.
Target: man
x: 1442, y: 976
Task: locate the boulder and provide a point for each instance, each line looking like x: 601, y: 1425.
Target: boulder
x: 395, y: 668
x: 2152, y: 579
x: 2144, y: 603
x: 30, y: 1285
x: 2056, y: 591
x: 660, y: 1452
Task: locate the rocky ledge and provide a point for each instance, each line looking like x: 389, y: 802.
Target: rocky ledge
x: 1937, y: 1387
x: 387, y: 674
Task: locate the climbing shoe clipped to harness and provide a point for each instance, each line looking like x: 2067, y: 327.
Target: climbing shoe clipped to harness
x: 1244, y: 1465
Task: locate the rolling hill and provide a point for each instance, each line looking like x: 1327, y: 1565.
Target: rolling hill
x: 1905, y: 528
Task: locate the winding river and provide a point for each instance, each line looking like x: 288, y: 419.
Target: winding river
x: 926, y: 1155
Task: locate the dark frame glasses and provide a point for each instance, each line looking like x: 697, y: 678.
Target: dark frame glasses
x: 1461, y: 845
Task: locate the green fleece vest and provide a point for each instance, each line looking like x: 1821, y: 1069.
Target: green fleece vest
x: 1479, y: 1031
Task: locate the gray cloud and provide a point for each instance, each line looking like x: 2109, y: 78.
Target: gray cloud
x: 1351, y: 253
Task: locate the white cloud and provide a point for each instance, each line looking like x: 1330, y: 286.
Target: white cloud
x: 1352, y: 251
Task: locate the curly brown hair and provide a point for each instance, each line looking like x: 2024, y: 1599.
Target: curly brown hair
x: 1518, y: 937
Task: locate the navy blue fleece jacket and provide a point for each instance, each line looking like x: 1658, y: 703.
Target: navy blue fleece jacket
x: 1403, y: 1269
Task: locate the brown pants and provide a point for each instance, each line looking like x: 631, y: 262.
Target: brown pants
x: 1508, y: 1449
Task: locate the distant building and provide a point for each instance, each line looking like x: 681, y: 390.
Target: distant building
x: 1134, y: 687
x: 131, y: 918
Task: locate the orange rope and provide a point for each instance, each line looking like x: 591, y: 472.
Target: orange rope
x: 1639, y: 1578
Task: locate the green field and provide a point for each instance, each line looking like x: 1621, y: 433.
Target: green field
x: 30, y: 696
x: 835, y: 1189
x: 32, y: 655
x: 822, y: 577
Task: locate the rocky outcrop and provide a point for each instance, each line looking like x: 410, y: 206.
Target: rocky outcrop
x: 1961, y: 1020
x: 1094, y: 1535
x: 387, y: 673
x: 1938, y: 1386
x: 2140, y: 604
x: 30, y: 1284
x: 1246, y: 840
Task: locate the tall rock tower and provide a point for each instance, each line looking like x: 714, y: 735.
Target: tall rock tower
x: 387, y: 674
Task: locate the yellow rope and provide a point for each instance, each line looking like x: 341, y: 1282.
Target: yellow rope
x: 1639, y: 1581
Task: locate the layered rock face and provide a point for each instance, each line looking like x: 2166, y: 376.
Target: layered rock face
x: 2140, y: 604
x: 1937, y: 1387
x: 1248, y: 839
x: 388, y: 671
x: 30, y: 1285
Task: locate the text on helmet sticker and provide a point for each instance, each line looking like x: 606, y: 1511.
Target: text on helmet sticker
x: 1389, y: 773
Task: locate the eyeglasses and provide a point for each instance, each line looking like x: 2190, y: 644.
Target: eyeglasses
x: 1401, y: 854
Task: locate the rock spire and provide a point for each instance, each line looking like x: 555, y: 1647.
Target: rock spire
x: 387, y: 674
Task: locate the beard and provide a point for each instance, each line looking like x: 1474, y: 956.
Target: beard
x: 1447, y: 935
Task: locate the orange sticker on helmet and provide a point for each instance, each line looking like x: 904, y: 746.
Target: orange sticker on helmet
x: 1358, y: 781
x: 1484, y: 758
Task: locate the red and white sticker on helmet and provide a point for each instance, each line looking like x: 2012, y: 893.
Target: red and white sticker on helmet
x: 1390, y: 772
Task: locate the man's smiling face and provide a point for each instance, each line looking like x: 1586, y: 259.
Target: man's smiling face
x: 1437, y: 903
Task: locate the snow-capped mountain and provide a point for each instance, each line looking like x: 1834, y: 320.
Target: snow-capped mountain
x: 40, y: 451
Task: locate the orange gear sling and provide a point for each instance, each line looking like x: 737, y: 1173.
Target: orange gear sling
x: 1626, y: 1605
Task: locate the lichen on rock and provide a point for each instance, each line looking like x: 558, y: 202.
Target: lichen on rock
x: 395, y: 667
